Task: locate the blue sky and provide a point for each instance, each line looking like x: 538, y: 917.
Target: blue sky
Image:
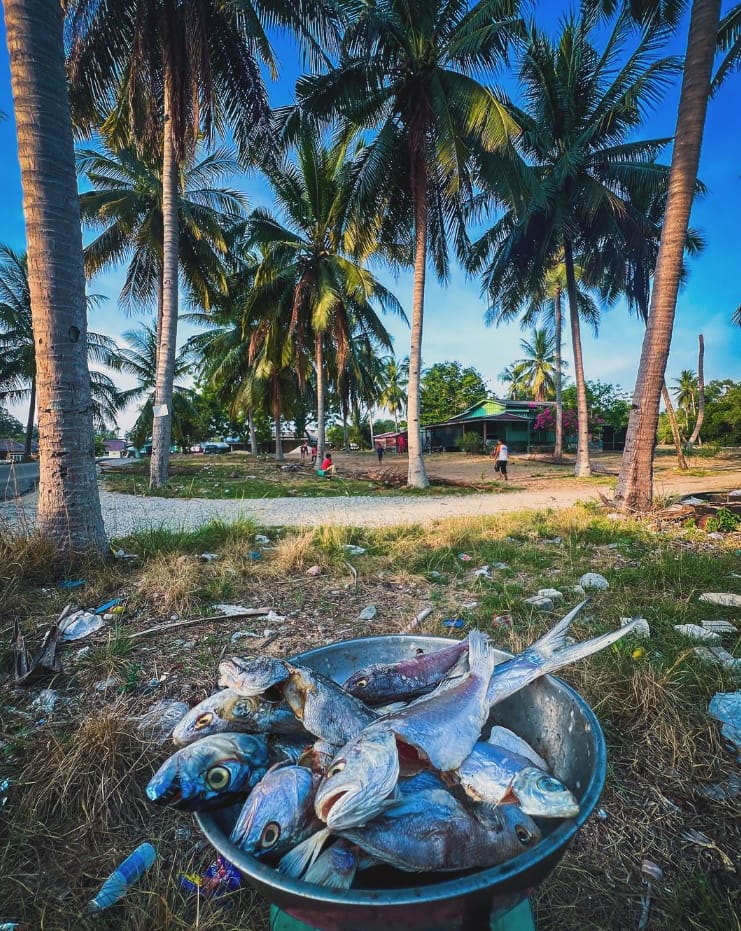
x: 454, y: 327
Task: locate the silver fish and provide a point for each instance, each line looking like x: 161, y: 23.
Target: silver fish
x: 440, y: 729
x: 383, y: 682
x: 210, y: 772
x: 429, y: 831
x: 279, y: 812
x: 360, y: 779
x: 490, y: 774
x: 324, y: 707
x: 503, y: 737
x: 252, y: 675
x: 227, y: 712
x: 545, y: 656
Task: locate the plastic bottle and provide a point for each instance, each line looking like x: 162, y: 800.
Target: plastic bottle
x: 124, y: 876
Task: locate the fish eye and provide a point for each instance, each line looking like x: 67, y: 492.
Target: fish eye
x: 361, y: 683
x: 203, y: 720
x: 270, y: 835
x: 218, y: 778
x: 523, y: 835
x: 549, y: 784
x: 337, y: 768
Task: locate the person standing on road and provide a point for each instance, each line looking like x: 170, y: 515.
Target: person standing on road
x: 501, y: 454
x: 379, y: 453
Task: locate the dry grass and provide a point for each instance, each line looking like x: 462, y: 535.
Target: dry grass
x: 76, y: 803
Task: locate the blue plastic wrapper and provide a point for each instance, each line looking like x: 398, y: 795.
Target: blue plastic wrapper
x: 221, y: 877
x: 456, y: 622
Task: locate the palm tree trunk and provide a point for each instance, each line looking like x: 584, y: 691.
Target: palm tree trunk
x: 681, y: 460
x: 167, y: 337
x: 68, y: 504
x: 29, y: 422
x: 558, y: 448
x: 582, y: 468
x: 700, y: 393
x: 253, y: 432
x: 635, y: 483
x: 321, y: 390
x: 417, y: 474
x: 278, y: 420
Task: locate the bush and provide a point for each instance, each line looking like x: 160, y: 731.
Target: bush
x: 471, y: 443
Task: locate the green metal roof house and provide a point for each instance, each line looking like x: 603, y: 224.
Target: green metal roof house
x: 492, y: 418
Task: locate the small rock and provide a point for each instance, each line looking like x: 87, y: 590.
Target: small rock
x: 641, y: 628
x: 595, y: 581
x: 469, y: 605
x: 553, y: 593
x: 542, y: 604
x: 368, y: 613
x: 314, y: 570
x: 715, y: 535
x: 695, y: 632
x: 726, y: 599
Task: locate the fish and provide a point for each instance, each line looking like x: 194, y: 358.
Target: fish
x: 325, y: 708
x: 279, y: 812
x: 336, y: 866
x: 360, y: 779
x: 546, y: 655
x: 226, y: 711
x: 430, y: 831
x: 490, y: 774
x: 439, y: 730
x: 503, y: 737
x: 252, y: 675
x: 213, y: 771
x: 383, y: 682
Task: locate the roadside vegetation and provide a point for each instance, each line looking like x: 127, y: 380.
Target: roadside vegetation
x: 76, y: 774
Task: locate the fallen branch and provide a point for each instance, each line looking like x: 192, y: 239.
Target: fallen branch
x: 191, y: 622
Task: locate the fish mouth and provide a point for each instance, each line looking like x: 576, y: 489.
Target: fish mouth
x: 170, y: 796
x: 324, y: 807
x: 335, y: 801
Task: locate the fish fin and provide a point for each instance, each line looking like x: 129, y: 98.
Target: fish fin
x: 390, y: 708
x: 555, y: 639
x: 481, y: 658
x: 336, y: 867
x: 508, y: 740
x: 558, y: 654
x: 298, y: 860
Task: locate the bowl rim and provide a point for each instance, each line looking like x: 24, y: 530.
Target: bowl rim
x: 459, y: 885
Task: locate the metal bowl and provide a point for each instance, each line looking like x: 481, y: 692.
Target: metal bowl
x: 549, y: 714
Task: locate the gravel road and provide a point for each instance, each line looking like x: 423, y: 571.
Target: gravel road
x: 124, y: 513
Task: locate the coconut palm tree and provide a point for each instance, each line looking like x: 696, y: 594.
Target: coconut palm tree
x: 514, y: 376
x: 68, y: 511
x: 167, y: 74
x: 729, y: 42
x: 394, y: 380
x: 125, y: 209
x: 307, y: 265
x: 634, y: 489
x: 580, y: 107
x: 537, y: 371
x: 409, y: 69
x: 685, y: 394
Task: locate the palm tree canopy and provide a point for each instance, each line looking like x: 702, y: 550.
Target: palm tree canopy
x: 729, y: 42
x: 125, y: 205
x: 536, y: 373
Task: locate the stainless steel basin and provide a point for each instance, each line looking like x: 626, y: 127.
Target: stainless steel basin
x: 548, y: 714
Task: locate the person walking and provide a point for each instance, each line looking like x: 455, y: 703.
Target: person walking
x: 379, y: 453
x: 501, y: 454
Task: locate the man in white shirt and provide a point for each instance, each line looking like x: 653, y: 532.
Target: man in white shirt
x: 501, y: 454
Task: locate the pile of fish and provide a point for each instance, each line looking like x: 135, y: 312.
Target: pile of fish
x: 391, y: 767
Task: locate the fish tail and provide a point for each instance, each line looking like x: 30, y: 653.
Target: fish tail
x: 560, y: 654
x: 298, y: 860
x: 336, y: 867
x: 555, y: 639
x: 481, y: 658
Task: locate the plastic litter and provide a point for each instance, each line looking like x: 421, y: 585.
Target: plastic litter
x: 104, y: 608
x: 719, y: 627
x: 695, y: 632
x: 465, y: 557
x: 124, y: 877
x: 553, y: 593
x: 724, y: 791
x: 354, y: 550
x: 539, y: 602
x: 262, y: 539
x: 368, y: 613
x: 241, y: 635
x: 45, y: 701
x: 4, y: 787
x: 641, y: 628
x: 254, y: 555
x: 72, y: 583
x: 208, y: 557
x: 720, y: 656
x: 484, y: 572
x: 272, y: 617
x: 456, y: 622
x: 228, y: 609
x: 80, y: 624
x: 726, y: 708
x: 499, y: 565
x: 219, y: 878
